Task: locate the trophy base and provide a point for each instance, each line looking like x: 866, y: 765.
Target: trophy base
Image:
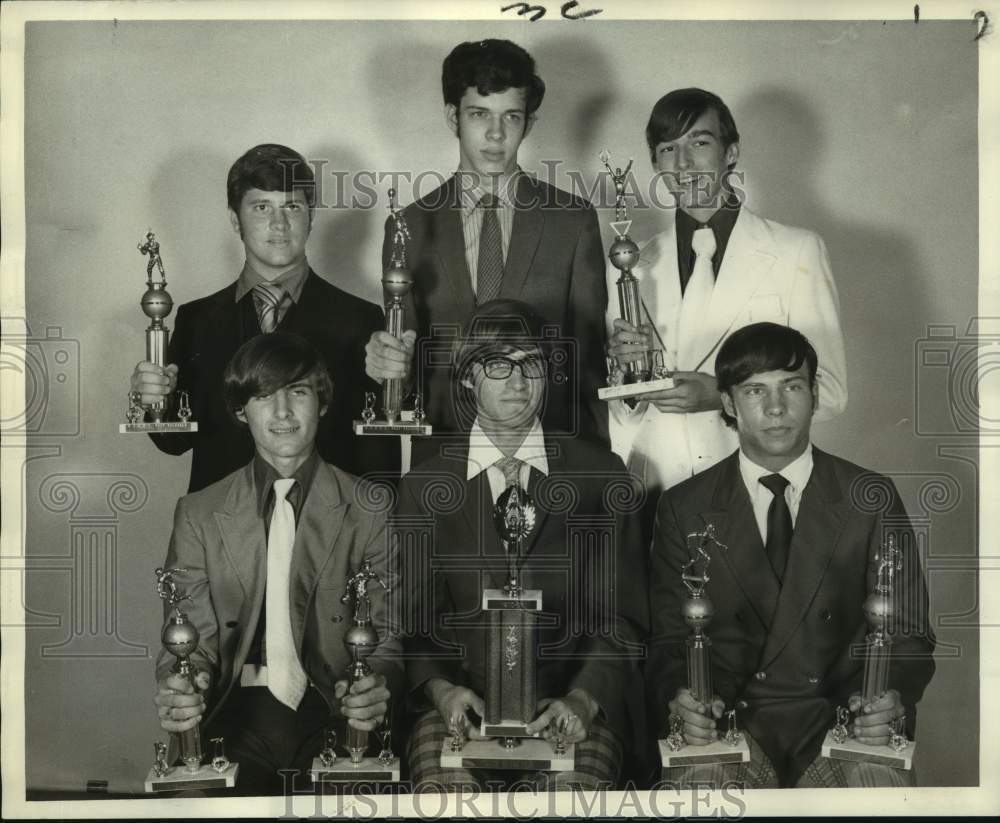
x: 634, y: 389
x: 404, y: 425
x: 369, y: 770
x: 531, y: 754
x: 718, y: 752
x: 164, y: 427
x: 179, y: 779
x: 885, y: 755
x: 506, y: 728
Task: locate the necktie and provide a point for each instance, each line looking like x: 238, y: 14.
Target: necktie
x: 511, y: 468
x: 779, y: 524
x: 489, y: 274
x: 270, y: 300
x: 698, y: 292
x: 286, y: 678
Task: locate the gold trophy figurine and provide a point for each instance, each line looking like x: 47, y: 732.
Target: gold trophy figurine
x: 180, y: 638
x: 156, y: 304
x: 647, y: 373
x: 396, y: 283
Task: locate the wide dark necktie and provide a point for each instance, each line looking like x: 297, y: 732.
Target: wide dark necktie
x: 489, y: 274
x: 270, y: 301
x: 779, y: 524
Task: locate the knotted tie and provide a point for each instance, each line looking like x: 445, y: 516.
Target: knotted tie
x: 285, y: 676
x: 489, y: 274
x: 779, y: 524
x: 698, y: 292
x: 270, y: 301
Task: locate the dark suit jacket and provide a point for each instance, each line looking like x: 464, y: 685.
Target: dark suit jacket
x: 584, y: 554
x: 555, y: 262
x: 219, y: 539
x: 787, y: 656
x: 207, y: 334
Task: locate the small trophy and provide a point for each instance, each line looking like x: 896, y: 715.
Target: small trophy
x: 156, y: 304
x: 840, y: 742
x: 180, y: 638
x: 396, y: 283
x: 361, y: 640
x: 698, y: 612
x: 647, y: 373
x: 510, y: 664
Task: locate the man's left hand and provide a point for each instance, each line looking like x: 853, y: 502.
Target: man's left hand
x: 363, y: 703
x: 871, y: 726
x: 570, y: 716
x: 693, y: 391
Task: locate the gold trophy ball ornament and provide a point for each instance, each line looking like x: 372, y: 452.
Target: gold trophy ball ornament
x: 361, y: 640
x: 156, y: 304
x: 646, y: 373
x: 180, y: 638
x: 397, y: 281
x: 879, y: 610
x: 511, y: 649
x: 698, y: 611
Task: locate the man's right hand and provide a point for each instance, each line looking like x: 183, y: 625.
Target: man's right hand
x: 699, y: 725
x: 154, y: 383
x: 179, y: 705
x: 452, y: 703
x: 628, y: 342
x: 386, y: 357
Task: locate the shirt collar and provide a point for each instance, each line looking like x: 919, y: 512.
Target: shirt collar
x: 291, y: 281
x: 483, y: 452
x: 721, y: 223
x: 797, y: 472
x: 506, y: 190
x: 264, y: 475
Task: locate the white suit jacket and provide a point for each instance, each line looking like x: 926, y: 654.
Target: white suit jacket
x: 770, y: 272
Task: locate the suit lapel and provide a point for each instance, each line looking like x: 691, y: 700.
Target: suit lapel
x: 450, y: 249
x: 818, y: 527
x: 223, y: 325
x: 477, y: 514
x: 525, y: 234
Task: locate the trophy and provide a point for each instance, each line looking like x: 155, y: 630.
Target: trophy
x: 698, y: 612
x: 156, y: 304
x: 840, y: 742
x: 361, y: 640
x: 510, y: 697
x: 180, y: 638
x: 396, y: 283
x: 647, y: 373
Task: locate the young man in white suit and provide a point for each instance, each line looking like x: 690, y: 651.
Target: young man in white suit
x: 716, y: 267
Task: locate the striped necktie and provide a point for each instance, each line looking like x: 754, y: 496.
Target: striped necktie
x: 270, y: 301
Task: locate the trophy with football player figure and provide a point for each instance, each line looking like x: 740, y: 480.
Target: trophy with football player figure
x: 647, y: 373
x: 180, y: 638
x: 698, y: 612
x: 879, y: 608
x: 156, y: 304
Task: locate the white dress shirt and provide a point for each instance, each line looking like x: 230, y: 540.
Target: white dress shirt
x: 483, y: 455
x: 797, y: 474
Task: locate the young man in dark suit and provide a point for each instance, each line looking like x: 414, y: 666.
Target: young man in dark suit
x: 583, y: 553
x: 803, y: 549
x: 271, y: 192
x: 265, y: 555
x: 494, y: 231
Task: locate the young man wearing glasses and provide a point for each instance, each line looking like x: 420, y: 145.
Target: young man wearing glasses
x: 583, y: 553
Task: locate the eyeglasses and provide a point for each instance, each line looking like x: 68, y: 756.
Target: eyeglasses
x: 500, y: 368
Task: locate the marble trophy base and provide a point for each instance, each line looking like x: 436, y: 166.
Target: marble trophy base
x: 623, y: 390
x: 404, y: 425
x: 530, y: 754
x: 368, y: 770
x: 179, y: 779
x: 165, y: 427
x: 718, y: 752
x: 884, y: 755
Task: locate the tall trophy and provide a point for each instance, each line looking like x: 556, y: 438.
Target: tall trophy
x: 361, y: 641
x: 698, y: 612
x: 510, y: 697
x: 180, y: 638
x: 396, y: 283
x: 647, y: 373
x: 879, y: 608
x: 156, y: 304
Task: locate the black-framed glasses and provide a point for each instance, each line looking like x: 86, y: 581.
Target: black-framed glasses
x: 500, y: 368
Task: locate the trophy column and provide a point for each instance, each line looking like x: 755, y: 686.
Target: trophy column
x: 396, y: 283
x: 156, y: 304
x: 361, y: 641
x: 180, y: 638
x: 698, y: 612
x: 647, y: 373
x: 840, y: 742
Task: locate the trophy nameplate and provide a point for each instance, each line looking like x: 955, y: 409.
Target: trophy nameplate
x: 840, y: 743
x: 698, y: 612
x: 156, y: 304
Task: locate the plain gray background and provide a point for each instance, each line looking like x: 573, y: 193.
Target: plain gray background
x: 864, y: 132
